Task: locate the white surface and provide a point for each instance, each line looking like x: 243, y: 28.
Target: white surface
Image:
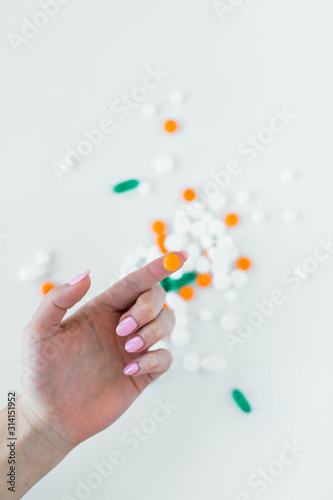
x: 235, y: 72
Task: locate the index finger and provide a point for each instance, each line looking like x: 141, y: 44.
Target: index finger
x: 124, y: 293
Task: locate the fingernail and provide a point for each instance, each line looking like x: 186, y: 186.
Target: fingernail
x: 134, y: 344
x: 185, y: 254
x: 79, y: 278
x: 126, y: 326
x: 131, y: 369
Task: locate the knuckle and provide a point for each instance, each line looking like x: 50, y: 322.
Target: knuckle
x: 147, y: 308
x: 153, y: 361
x: 157, y: 330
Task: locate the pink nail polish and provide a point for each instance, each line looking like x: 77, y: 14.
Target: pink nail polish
x: 126, y: 326
x: 79, y: 278
x: 131, y: 369
x: 134, y: 344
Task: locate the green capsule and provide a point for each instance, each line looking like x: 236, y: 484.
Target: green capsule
x: 126, y: 186
x: 241, y: 401
x: 166, y: 284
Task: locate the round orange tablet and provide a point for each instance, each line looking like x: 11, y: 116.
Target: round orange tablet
x: 170, y: 126
x: 204, y: 280
x: 46, y: 287
x: 171, y: 262
x: 244, y: 263
x: 231, y: 219
x: 158, y: 226
x: 160, y: 242
x: 187, y: 292
x: 189, y: 194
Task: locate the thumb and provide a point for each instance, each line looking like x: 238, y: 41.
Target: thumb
x: 57, y: 301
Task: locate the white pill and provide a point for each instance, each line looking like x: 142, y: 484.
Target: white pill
x: 191, y: 362
x: 225, y: 241
x: 242, y: 197
x: 205, y: 216
x: 289, y: 216
x: 229, y: 322
x: 238, y: 278
x: 222, y: 256
x: 179, y: 336
x: 178, y: 274
x: 197, y: 229
x: 258, y: 216
x: 217, y: 202
x: 176, y: 97
x: 202, y: 265
x: 287, y: 176
x: 164, y: 164
x: 221, y: 281
x: 194, y: 250
x: 207, y: 240
x: 213, y: 363
x: 216, y: 227
x: 181, y: 319
x: 205, y: 315
x: 175, y: 241
x: 181, y: 225
x: 43, y: 258
x: 175, y: 301
x: 231, y: 295
x: 144, y: 188
x: 32, y: 273
x: 148, y: 109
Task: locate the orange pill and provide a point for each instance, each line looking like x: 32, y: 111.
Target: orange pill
x: 204, y: 280
x: 244, y: 263
x: 231, y: 219
x: 46, y: 287
x: 160, y: 243
x: 158, y: 226
x: 165, y: 304
x: 171, y: 262
x: 189, y: 194
x: 187, y: 292
x: 170, y: 126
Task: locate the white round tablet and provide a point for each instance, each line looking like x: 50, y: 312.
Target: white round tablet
x: 229, y: 322
x: 213, y: 363
x: 238, y: 278
x: 164, y: 164
x: 179, y: 336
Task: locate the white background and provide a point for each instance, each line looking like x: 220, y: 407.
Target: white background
x: 234, y: 72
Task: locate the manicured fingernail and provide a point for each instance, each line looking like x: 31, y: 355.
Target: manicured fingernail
x: 79, y: 278
x: 134, y: 344
x: 171, y: 262
x: 185, y: 254
x: 126, y: 326
x: 131, y: 369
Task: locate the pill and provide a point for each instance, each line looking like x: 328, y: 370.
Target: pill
x: 238, y: 278
x: 258, y: 216
x: 46, y: 287
x: 287, y: 176
x: 171, y: 262
x: 32, y: 273
x: 160, y: 243
x: 217, y: 202
x: 175, y: 241
x: 187, y: 292
x: 181, y: 319
x: 164, y: 164
x: 241, y: 401
x: 213, y: 363
x: 244, y: 263
x: 204, y: 280
x: 229, y: 322
x: 202, y: 265
x: 225, y: 241
x: 289, y: 216
x: 231, y: 219
x: 148, y: 109
x: 175, y: 302
x: 158, y: 226
x: 126, y: 186
x: 205, y: 315
x: 43, y: 258
x: 176, y: 97
x: 181, y: 225
x: 189, y: 194
x: 179, y: 336
x: 197, y: 229
x: 242, y: 197
x: 144, y: 188
x: 231, y: 295
x: 206, y: 240
x: 191, y: 362
x: 221, y: 281
x: 170, y: 126
x: 215, y: 227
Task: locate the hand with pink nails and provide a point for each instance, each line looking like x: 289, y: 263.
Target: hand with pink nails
x: 81, y: 373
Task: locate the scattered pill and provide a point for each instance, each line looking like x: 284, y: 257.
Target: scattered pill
x: 217, y: 202
x: 191, y: 362
x: 160, y: 243
x: 164, y: 164
x: 289, y: 216
x: 204, y: 280
x: 126, y: 186
x: 46, y: 287
x: 158, y: 226
x: 238, y: 278
x: 43, y: 258
x: 176, y: 97
x: 179, y: 336
x: 229, y: 322
x: 170, y: 126
x: 215, y: 227
x: 189, y: 194
x: 175, y: 241
x: 32, y: 273
x: 242, y: 197
x: 205, y: 315
x: 213, y: 363
x: 287, y: 176
x: 241, y: 401
x: 221, y: 281
x: 175, y: 302
x: 244, y: 263
x: 202, y: 265
x: 171, y: 262
x: 148, y: 109
x: 181, y: 319
x: 187, y: 292
x: 144, y: 188
x: 231, y: 219
x: 231, y: 295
